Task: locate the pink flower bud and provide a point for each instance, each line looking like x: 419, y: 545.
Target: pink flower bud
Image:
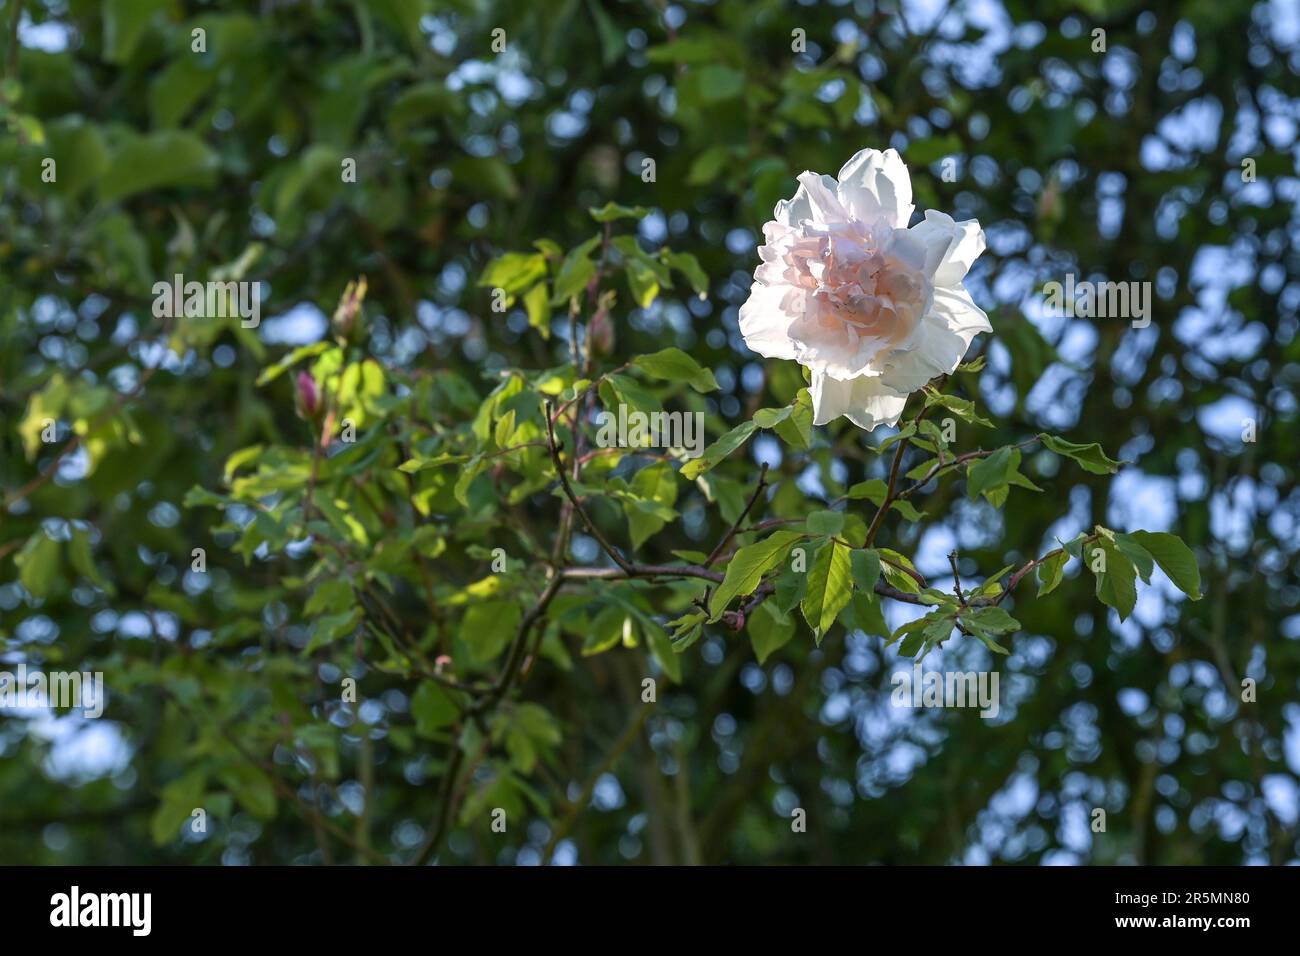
x: 307, y: 396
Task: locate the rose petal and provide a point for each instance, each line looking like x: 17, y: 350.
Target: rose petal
x: 944, y: 337
x: 865, y: 401
x: 765, y: 319
x: 814, y: 200
x: 951, y: 247
x: 876, y: 185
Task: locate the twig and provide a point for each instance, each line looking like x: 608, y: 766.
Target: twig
x: 758, y: 490
x: 889, y: 492
x: 573, y: 498
x: 956, y: 579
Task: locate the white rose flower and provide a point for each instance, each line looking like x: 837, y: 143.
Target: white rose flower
x: 872, y: 308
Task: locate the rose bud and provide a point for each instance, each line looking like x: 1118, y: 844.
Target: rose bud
x: 345, y: 316
x: 600, y: 333
x: 307, y: 397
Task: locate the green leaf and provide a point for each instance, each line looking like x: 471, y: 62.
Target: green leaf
x: 538, y: 304
x: 790, y: 586
x: 331, y: 596
x: 124, y: 23
x: 575, y: 272
x: 38, y: 564
x: 688, y: 266
x: 796, y: 429
x: 650, y: 501
x: 641, y: 282
x: 82, y: 557
x: 1090, y: 457
x: 907, y: 509
x: 906, y: 432
x: 1175, y: 559
x: 684, y: 50
x: 662, y: 649
x: 612, y: 210
x: 271, y: 372
x: 771, y: 417
x: 891, y: 565
x: 1050, y: 572
x: 180, y: 798
x: 991, y: 619
x: 606, y: 631
x: 432, y: 708
x: 825, y: 522
x: 687, y: 630
x: 157, y: 161
x: 866, y: 570
x: 830, y: 584
x: 986, y: 474
x: 514, y: 272
x: 864, y: 614
x: 252, y: 788
x: 488, y: 628
x: 708, y: 164
x: 719, y: 450
x: 674, y: 365
x: 331, y: 627
x: 1116, y: 586
x: 991, y: 644
x: 769, y: 631
x: 874, y: 490
x: 718, y: 82
x: 963, y: 409
x: 1141, y: 558
x: 924, y: 633
x: 747, y: 567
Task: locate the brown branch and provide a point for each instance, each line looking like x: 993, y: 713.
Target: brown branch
x: 939, y: 467
x: 956, y: 579
x: 879, y: 516
x: 726, y: 539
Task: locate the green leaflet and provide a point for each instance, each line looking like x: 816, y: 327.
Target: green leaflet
x: 719, y: 450
x: 747, y: 567
x: 1174, y: 558
x: 674, y: 365
x: 1050, y: 572
x: 1116, y: 578
x: 830, y: 583
x: 769, y: 630
x: 1090, y: 457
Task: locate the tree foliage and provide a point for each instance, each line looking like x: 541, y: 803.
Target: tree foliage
x: 366, y: 584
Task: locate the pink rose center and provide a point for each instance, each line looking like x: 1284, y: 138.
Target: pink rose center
x: 874, y: 299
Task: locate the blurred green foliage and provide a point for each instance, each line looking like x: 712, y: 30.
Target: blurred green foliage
x: 226, y: 154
